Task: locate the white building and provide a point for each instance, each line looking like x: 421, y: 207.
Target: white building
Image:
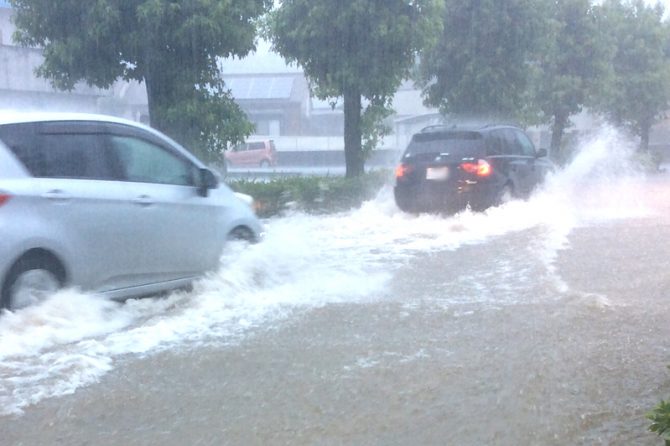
x: 21, y: 89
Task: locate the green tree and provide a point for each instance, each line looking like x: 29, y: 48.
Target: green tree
x: 358, y: 49
x: 639, y: 93
x: 486, y: 60
x: 574, y: 65
x: 173, y: 46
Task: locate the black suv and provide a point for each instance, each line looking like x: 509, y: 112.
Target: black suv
x: 445, y: 168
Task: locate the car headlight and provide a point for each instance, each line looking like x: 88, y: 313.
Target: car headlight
x: 248, y: 199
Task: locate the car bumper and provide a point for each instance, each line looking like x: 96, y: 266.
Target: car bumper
x: 439, y: 197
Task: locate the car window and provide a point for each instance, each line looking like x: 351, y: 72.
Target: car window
x: 73, y: 155
x: 145, y: 162
x: 494, y: 143
x: 527, y: 147
x: 510, y: 144
x: 256, y: 146
x: 22, y: 141
x: 454, y: 143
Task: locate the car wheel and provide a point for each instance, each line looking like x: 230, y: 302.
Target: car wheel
x: 30, y: 281
x: 242, y: 233
x: 265, y: 163
x: 506, y: 195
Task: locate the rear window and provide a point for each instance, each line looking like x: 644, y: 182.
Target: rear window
x: 454, y: 143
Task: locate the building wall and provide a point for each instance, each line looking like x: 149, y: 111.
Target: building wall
x: 21, y: 89
x: 6, y: 27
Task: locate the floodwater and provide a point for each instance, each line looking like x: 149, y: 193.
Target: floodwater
x: 539, y: 322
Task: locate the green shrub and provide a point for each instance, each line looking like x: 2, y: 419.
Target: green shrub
x: 311, y: 193
x: 660, y: 417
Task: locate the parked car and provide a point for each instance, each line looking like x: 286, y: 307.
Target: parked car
x: 107, y: 205
x: 253, y: 153
x: 445, y: 168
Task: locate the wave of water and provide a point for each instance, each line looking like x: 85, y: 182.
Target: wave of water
x: 306, y: 261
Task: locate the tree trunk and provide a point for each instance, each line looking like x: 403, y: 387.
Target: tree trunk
x: 156, y: 101
x: 557, y: 130
x: 353, y: 153
x: 645, y: 129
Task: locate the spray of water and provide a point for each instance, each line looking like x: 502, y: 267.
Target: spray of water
x: 305, y: 261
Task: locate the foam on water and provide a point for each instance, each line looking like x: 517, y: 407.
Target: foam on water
x: 305, y: 261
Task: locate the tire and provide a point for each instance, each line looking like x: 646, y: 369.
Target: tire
x: 404, y: 203
x: 30, y: 281
x: 265, y: 163
x: 505, y: 196
x: 242, y: 233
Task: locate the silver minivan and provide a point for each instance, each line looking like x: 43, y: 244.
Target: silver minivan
x: 109, y: 206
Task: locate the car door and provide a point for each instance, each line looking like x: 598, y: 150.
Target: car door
x: 256, y: 153
x: 521, y: 163
x: 87, y: 209
x: 541, y: 166
x: 178, y: 233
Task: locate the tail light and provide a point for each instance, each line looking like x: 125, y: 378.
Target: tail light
x: 4, y: 198
x: 481, y: 168
x: 402, y: 170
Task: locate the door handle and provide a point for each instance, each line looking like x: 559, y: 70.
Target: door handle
x: 143, y: 200
x: 57, y: 195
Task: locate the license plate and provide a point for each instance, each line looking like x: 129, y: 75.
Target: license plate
x: 437, y: 173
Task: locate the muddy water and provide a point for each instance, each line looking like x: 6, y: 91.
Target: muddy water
x: 543, y: 322
x: 545, y: 367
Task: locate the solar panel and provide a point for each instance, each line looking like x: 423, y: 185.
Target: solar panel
x: 265, y: 87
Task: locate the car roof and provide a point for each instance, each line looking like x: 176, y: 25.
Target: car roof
x: 19, y: 117
x: 481, y: 128
x: 22, y: 117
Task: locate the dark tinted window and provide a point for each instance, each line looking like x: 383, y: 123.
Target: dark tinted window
x: 495, y: 143
x: 509, y: 141
x: 454, y: 143
x: 74, y: 156
x: 21, y: 140
x: 57, y: 155
x: 527, y: 147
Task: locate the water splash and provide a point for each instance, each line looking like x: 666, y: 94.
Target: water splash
x: 305, y: 261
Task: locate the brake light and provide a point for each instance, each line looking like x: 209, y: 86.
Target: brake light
x: 481, y: 168
x: 402, y: 170
x: 4, y: 198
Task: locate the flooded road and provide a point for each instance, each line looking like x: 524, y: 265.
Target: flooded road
x: 539, y: 322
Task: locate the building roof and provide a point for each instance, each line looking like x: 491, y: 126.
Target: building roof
x: 261, y: 87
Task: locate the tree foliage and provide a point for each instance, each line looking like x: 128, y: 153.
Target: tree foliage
x: 485, y: 63
x: 574, y: 64
x: 639, y: 93
x: 355, y: 49
x: 173, y: 46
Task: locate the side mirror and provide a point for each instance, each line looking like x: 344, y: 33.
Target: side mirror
x: 542, y: 153
x: 207, y: 181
